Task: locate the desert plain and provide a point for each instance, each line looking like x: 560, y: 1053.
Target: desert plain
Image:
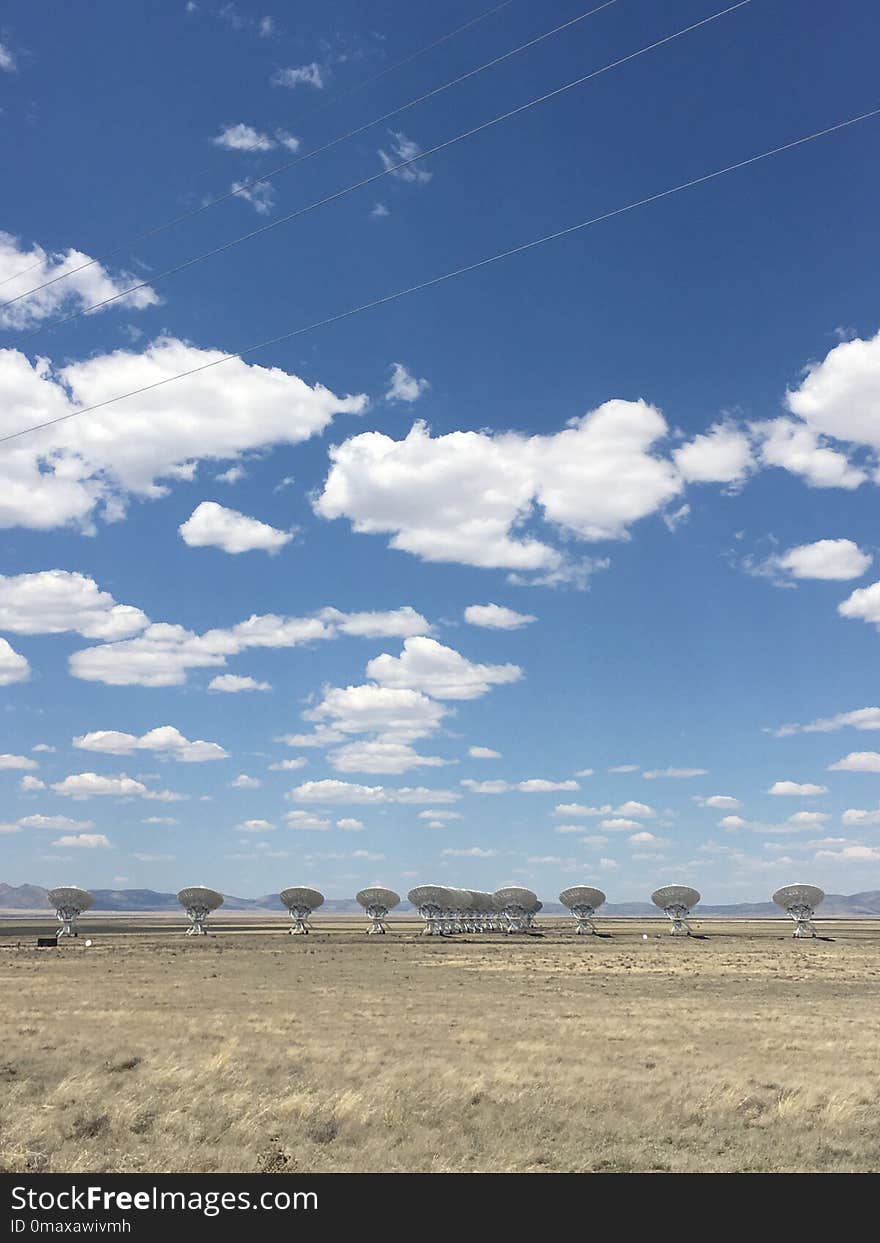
x: 740, y: 1049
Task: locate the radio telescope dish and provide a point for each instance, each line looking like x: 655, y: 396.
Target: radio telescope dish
x: 432, y: 903
x: 676, y: 902
x: 583, y: 902
x: 377, y: 903
x: 800, y: 901
x: 483, y: 912
x: 518, y: 907
x: 69, y: 903
x: 199, y: 903
x: 457, y: 910
x: 301, y: 903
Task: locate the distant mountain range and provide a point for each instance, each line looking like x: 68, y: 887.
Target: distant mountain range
x: 19, y: 898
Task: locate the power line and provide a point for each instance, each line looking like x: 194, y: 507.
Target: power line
x: 461, y: 271
x: 386, y: 172
x: 309, y: 155
x: 344, y: 94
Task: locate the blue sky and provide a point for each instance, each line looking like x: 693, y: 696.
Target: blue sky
x: 653, y: 446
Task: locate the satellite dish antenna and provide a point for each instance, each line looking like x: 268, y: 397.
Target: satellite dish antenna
x: 518, y: 907
x: 198, y: 903
x: 377, y: 903
x: 583, y: 902
x: 468, y: 919
x: 800, y: 901
x: 301, y: 903
x: 676, y: 902
x: 69, y: 903
x: 497, y: 922
x: 458, y: 910
x: 481, y: 916
x: 432, y: 903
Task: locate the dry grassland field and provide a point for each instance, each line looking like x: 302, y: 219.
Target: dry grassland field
x: 254, y: 1050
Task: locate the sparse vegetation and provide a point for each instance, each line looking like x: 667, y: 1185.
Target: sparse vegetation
x: 251, y: 1050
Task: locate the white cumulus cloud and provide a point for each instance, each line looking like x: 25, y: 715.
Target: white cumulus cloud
x: 85, y: 841
x: 832, y: 560
x: 496, y: 617
x: 632, y: 808
x: 214, y: 526
x: 381, y: 755
x: 245, y: 782
x: 833, y: 419
x: 857, y: 762
x: 855, y: 817
x: 330, y: 791
x: 300, y: 75
x: 13, y: 666
x: 863, y: 604
x: 53, y: 822
x: 721, y: 455
x: 64, y: 474
x: 164, y: 653
x: 399, y: 623
x: 839, y: 396
x: 255, y: 826
x: 403, y: 386
x: 464, y: 497
x: 674, y: 772
x: 165, y: 740
x: 242, y: 137
x: 797, y: 449
x: 540, y: 785
x: 87, y: 785
x: 797, y: 788
x: 428, y: 666
x: 398, y: 714
x: 305, y: 820
x: 808, y: 819
x: 233, y: 684
x: 532, y: 785
x: 59, y: 602
x: 260, y: 194
x: 855, y: 854
x: 75, y: 292
x: 486, y: 787
x: 859, y: 718
x: 402, y: 150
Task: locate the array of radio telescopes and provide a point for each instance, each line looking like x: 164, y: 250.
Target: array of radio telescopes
x: 445, y: 911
